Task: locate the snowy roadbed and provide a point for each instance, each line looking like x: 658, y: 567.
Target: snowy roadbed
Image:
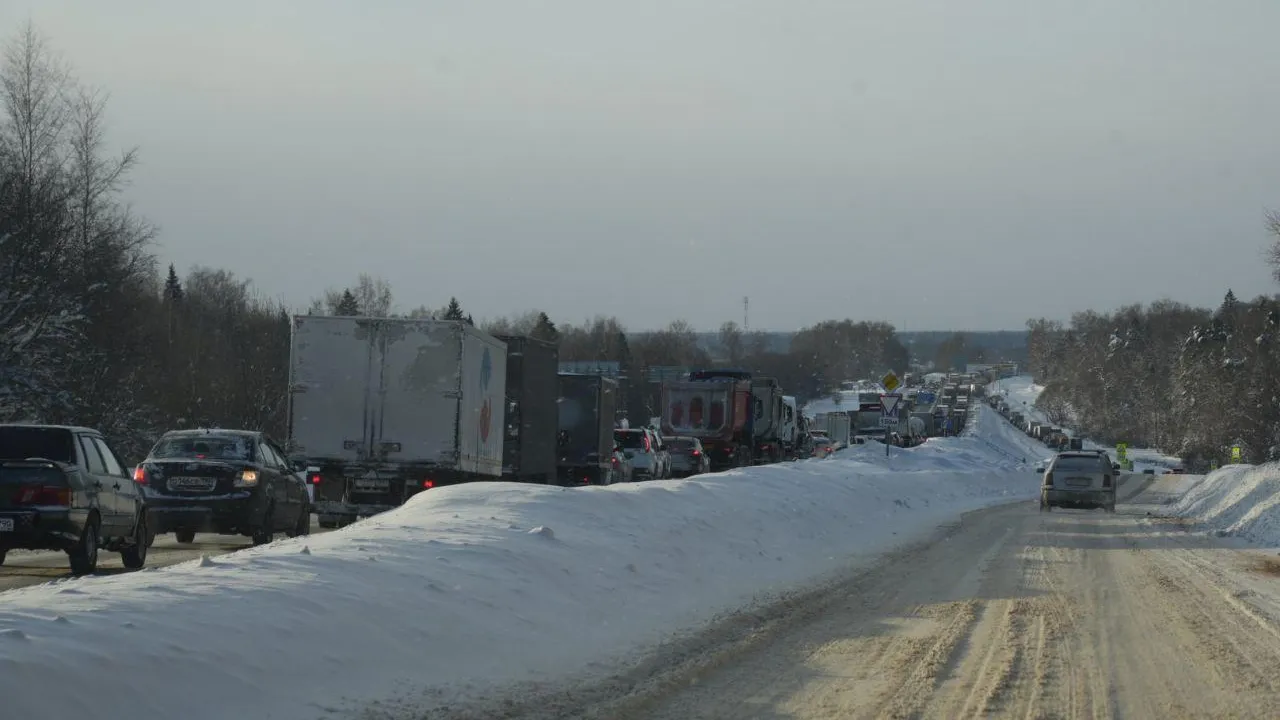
x: 475, y: 587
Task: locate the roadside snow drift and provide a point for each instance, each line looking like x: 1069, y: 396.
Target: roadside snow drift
x: 471, y: 588
x: 1238, y: 500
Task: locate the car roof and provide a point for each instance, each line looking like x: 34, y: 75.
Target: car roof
x: 211, y: 431
x: 71, y: 428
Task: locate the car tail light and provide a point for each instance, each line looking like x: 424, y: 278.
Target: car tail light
x: 1106, y: 481
x: 586, y: 480
x: 615, y: 461
x: 140, y: 475
x: 697, y: 453
x: 313, y: 478
x: 43, y: 495
x: 1048, y: 479
x: 247, y: 478
x: 428, y: 484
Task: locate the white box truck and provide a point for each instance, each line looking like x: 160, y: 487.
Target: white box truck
x: 383, y: 408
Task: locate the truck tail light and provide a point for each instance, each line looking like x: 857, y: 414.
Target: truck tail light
x: 313, y: 478
x: 428, y: 484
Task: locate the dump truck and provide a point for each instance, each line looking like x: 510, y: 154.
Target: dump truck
x: 714, y: 406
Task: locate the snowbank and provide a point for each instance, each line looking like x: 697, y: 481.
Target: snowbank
x: 1238, y: 500
x: 473, y: 587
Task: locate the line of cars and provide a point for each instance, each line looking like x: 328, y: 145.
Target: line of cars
x: 63, y: 488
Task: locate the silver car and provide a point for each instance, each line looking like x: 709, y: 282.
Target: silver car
x: 1079, y: 479
x: 687, y: 456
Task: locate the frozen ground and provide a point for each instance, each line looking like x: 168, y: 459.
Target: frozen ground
x: 473, y: 588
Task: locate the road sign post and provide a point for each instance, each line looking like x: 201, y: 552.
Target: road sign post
x: 889, y: 405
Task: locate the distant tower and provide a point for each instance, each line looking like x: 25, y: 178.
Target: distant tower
x: 746, y: 326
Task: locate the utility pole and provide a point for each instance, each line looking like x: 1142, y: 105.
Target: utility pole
x: 746, y: 326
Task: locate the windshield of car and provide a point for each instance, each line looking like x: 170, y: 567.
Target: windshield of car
x: 204, y: 447
x: 20, y: 443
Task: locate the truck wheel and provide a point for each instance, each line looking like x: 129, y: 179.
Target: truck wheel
x: 185, y: 537
x: 135, y: 556
x: 84, y: 556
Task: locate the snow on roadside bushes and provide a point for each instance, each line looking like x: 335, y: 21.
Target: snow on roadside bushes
x: 472, y: 587
x: 1239, y: 500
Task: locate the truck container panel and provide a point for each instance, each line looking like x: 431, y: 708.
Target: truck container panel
x: 533, y: 391
x: 586, y: 417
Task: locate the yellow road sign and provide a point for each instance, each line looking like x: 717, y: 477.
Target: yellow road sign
x: 890, y: 381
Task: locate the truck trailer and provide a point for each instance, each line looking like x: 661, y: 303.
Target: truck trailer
x: 715, y: 407
x: 532, y: 413
x: 586, y: 417
x: 381, y: 409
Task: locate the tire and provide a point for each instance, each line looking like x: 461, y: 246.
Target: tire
x: 303, y: 526
x: 186, y: 537
x: 135, y: 555
x: 84, y: 556
x: 329, y: 524
x: 265, y: 533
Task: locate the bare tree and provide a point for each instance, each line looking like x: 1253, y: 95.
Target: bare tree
x: 1273, y: 252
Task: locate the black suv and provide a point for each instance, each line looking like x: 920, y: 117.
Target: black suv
x: 232, y: 482
x: 62, y: 488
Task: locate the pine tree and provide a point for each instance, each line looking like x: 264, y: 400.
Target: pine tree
x: 453, y: 311
x: 347, y: 305
x: 545, y: 329
x: 173, y: 286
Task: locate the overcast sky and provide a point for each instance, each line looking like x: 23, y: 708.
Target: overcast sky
x: 938, y: 165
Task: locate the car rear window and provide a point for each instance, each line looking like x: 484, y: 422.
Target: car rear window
x: 204, y: 447
x: 20, y: 443
x: 632, y: 440
x: 679, y: 444
x: 1078, y: 464
x: 31, y: 476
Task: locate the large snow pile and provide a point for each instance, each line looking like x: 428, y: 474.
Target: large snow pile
x: 475, y: 587
x: 1239, y: 500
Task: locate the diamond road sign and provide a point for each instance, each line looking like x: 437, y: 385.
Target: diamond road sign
x: 890, y: 381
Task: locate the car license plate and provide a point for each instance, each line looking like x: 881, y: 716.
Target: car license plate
x: 1079, y: 482
x: 371, y: 485
x: 6, y: 524
x: 192, y: 483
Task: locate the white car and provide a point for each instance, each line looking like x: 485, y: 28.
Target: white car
x: 639, y: 448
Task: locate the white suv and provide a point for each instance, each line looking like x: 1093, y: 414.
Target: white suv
x: 638, y: 446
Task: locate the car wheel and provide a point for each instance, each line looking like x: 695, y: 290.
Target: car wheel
x: 186, y: 537
x: 84, y: 556
x: 303, y: 526
x: 135, y: 555
x: 266, y: 532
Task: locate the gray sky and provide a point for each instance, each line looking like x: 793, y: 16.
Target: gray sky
x: 935, y: 164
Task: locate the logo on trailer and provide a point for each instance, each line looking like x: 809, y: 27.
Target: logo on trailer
x: 486, y: 410
x: 486, y: 416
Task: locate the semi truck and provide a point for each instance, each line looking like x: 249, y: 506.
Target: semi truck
x: 532, y: 413
x: 586, y: 417
x: 766, y: 427
x: 381, y: 409
x: 714, y: 406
